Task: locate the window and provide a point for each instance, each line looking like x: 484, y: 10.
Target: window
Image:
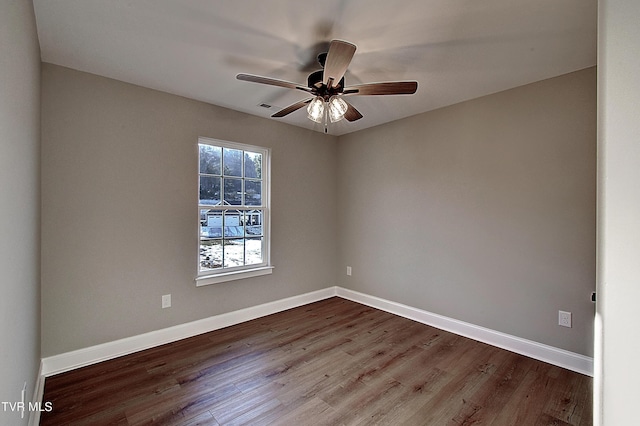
x: 233, y: 211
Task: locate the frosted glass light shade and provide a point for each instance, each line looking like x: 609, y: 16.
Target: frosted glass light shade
x: 337, y: 109
x: 315, y: 110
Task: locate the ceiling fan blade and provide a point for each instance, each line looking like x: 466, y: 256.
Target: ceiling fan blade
x: 291, y: 108
x: 386, y: 88
x: 338, y: 60
x: 352, y: 114
x: 272, y: 82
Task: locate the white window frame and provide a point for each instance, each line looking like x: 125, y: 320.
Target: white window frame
x: 223, y: 274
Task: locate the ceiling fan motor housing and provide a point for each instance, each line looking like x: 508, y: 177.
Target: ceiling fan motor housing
x: 314, y: 81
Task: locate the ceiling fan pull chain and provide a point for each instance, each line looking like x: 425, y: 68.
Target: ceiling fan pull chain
x: 326, y: 112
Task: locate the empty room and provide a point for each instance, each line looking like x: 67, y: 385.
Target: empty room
x: 294, y: 212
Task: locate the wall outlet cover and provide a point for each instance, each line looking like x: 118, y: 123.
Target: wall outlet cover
x: 564, y: 318
x: 166, y: 301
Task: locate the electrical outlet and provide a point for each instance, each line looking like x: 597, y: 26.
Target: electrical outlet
x: 564, y: 319
x: 349, y: 270
x: 166, y: 301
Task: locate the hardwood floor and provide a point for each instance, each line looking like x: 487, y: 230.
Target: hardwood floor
x: 332, y: 362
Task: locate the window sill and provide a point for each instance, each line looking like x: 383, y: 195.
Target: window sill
x: 235, y: 275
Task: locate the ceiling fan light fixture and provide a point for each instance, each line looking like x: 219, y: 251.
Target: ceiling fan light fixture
x: 327, y: 87
x: 315, y: 110
x: 337, y: 108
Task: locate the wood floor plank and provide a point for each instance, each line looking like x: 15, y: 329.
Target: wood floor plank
x: 530, y: 397
x: 410, y: 401
x: 234, y: 408
x: 358, y: 403
x: 315, y: 411
x: 330, y: 362
x: 570, y: 399
x: 493, y: 396
x: 176, y: 407
x: 204, y: 419
x: 548, y: 420
x: 475, y: 368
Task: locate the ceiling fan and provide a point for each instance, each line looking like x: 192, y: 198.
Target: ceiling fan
x: 328, y: 89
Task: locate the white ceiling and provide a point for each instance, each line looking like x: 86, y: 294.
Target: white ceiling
x: 455, y: 49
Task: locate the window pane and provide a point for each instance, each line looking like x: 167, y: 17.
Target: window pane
x: 209, y: 190
x: 232, y: 162
x: 210, y: 255
x: 233, y: 195
x: 252, y: 193
x: 253, y: 251
x: 233, y: 191
x: 210, y: 223
x: 210, y: 159
x: 233, y: 252
x: 253, y: 222
x: 233, y: 224
x: 253, y: 165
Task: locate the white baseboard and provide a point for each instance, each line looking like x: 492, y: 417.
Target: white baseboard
x: 91, y: 355
x: 38, y: 392
x: 549, y: 354
x: 94, y: 354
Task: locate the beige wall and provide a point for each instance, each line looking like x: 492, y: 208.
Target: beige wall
x: 119, y: 217
x: 618, y: 339
x: 483, y: 211
x: 19, y: 204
